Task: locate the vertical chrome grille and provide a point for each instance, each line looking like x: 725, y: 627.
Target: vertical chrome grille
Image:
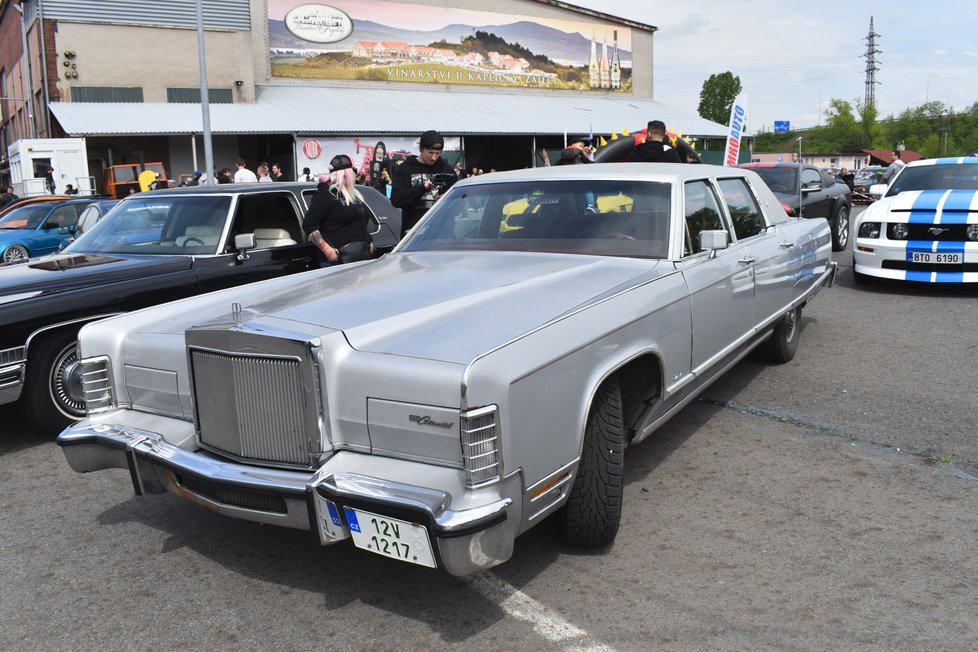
x: 96, y: 384
x: 480, y: 445
x: 252, y: 407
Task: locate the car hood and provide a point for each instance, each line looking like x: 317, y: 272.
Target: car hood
x: 74, y: 271
x: 449, y: 306
x: 921, y: 204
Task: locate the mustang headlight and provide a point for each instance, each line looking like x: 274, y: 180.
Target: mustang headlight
x: 869, y: 230
x: 972, y: 231
x: 899, y: 231
x: 97, y: 384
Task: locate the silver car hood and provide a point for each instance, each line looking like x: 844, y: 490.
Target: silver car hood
x: 450, y: 306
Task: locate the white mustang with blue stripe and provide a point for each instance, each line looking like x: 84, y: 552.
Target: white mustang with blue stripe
x: 924, y: 228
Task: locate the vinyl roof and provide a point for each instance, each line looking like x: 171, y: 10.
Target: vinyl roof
x: 349, y: 110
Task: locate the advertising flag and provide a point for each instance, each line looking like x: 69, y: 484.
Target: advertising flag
x: 738, y: 117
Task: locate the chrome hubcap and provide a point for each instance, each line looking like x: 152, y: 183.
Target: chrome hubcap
x: 66, y: 382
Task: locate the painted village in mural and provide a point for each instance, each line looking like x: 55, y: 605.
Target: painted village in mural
x: 518, y: 54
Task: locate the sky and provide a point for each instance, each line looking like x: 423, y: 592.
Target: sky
x: 792, y: 58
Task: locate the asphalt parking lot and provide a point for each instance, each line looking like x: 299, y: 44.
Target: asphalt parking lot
x: 828, y: 503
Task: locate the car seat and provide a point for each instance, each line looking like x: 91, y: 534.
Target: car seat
x: 196, y: 234
x: 267, y: 237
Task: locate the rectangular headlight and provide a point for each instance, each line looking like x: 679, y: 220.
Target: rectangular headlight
x: 97, y: 384
x: 480, y: 445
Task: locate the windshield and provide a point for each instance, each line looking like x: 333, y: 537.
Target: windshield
x: 25, y: 217
x: 779, y: 179
x: 604, y: 218
x: 188, y: 224
x: 962, y: 176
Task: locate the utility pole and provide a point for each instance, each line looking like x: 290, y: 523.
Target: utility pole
x: 871, y: 65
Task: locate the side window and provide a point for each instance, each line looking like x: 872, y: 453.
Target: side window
x: 271, y: 217
x: 811, y: 178
x: 87, y: 219
x: 62, y: 216
x: 702, y: 213
x: 744, y: 211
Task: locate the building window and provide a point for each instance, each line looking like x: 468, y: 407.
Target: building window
x: 192, y: 95
x: 106, y: 94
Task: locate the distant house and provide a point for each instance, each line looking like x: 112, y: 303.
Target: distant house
x: 848, y: 160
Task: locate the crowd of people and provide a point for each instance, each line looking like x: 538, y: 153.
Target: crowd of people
x: 337, y: 219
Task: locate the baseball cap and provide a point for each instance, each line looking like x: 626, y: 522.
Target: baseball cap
x: 340, y: 162
x: 432, y: 140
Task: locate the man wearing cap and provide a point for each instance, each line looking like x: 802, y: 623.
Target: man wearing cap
x: 414, y: 188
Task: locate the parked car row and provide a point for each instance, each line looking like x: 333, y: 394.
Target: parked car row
x: 434, y: 404
x: 154, y: 247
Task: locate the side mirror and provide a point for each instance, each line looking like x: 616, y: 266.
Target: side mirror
x: 877, y: 190
x: 66, y: 230
x: 243, y: 242
x: 712, y: 240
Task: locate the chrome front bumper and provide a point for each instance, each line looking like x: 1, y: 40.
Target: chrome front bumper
x: 471, y: 530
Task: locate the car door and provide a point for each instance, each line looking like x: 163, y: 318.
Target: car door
x: 721, y: 282
x: 50, y: 237
x: 816, y: 198
x: 775, y: 259
x: 265, y: 212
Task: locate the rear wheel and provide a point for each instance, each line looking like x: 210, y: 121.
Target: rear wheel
x: 53, y: 397
x: 15, y: 254
x: 592, y: 513
x: 840, y: 229
x: 783, y: 343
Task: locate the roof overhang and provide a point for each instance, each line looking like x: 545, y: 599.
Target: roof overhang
x: 349, y: 110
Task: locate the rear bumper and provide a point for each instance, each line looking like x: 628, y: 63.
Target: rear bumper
x: 471, y: 530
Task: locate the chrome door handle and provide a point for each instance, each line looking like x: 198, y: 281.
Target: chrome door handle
x: 747, y: 260
x: 786, y: 245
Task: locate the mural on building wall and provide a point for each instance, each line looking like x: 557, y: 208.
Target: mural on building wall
x: 370, y: 154
x: 377, y: 40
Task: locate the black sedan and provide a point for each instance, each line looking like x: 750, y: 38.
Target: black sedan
x: 808, y: 191
x: 153, y: 247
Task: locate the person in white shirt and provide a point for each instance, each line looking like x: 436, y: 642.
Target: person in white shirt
x: 243, y: 174
x: 895, y: 166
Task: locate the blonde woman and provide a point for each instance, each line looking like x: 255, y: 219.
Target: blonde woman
x: 336, y: 221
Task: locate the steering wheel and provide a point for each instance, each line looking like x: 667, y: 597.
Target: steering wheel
x: 617, y: 235
x: 779, y: 188
x: 193, y: 239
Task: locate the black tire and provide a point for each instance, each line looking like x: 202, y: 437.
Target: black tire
x: 783, y: 343
x: 840, y: 229
x: 51, y: 397
x: 592, y: 513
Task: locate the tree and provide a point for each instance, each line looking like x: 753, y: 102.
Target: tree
x: 718, y: 95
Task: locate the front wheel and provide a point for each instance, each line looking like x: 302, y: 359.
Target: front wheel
x: 783, y: 343
x: 53, y: 397
x: 840, y: 229
x: 592, y: 513
x: 15, y: 254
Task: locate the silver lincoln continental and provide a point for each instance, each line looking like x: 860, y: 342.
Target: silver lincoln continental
x: 434, y: 404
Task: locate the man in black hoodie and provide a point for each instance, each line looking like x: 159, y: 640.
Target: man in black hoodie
x: 654, y: 149
x: 414, y: 188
